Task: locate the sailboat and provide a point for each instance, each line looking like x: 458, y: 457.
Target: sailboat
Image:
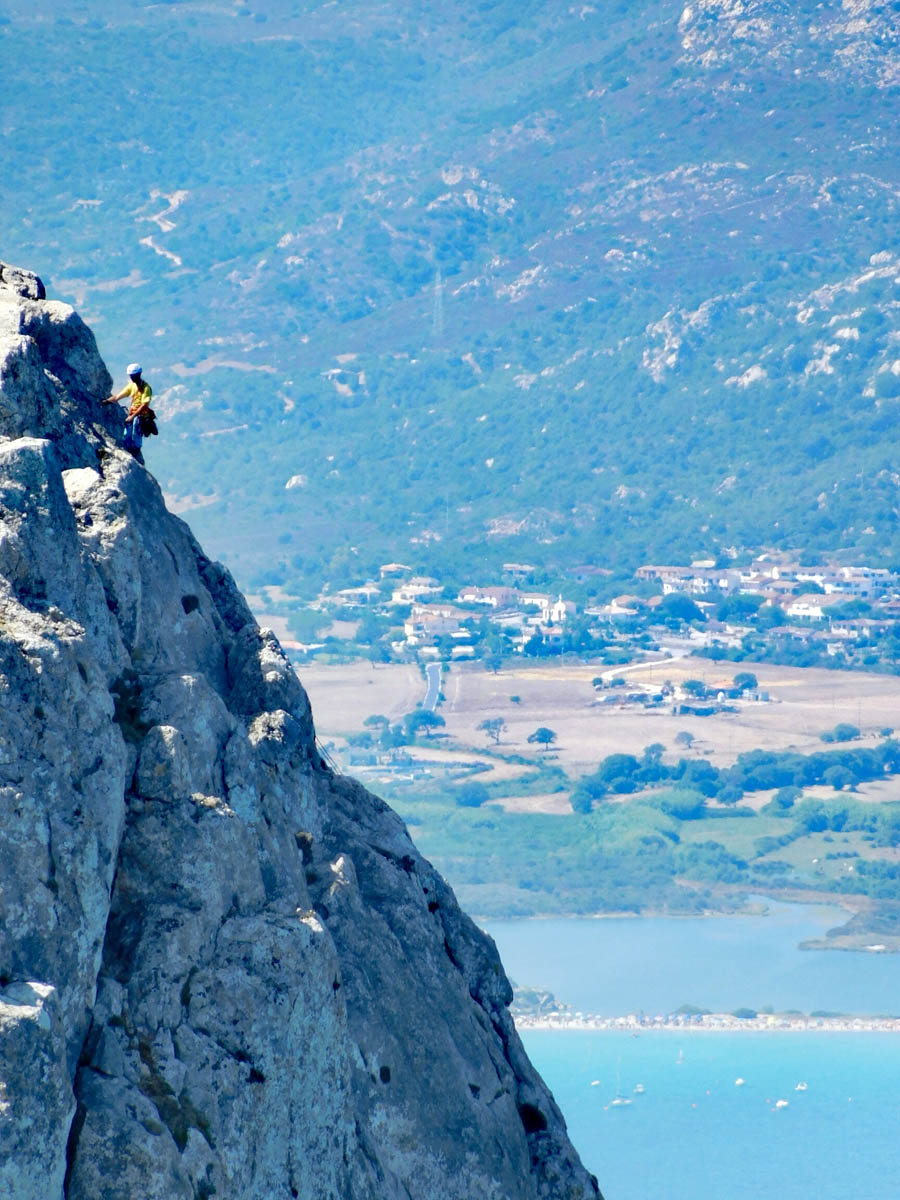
x: 619, y: 1100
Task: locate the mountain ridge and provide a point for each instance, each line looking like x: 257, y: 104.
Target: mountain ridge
x: 226, y: 971
x: 637, y: 241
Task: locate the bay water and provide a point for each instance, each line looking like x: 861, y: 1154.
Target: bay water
x: 693, y: 1135
x: 691, y: 1132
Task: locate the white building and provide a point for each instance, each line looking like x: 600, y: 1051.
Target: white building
x: 494, y: 597
x: 560, y: 610
x: 364, y: 594
x: 811, y: 606
x: 419, y: 588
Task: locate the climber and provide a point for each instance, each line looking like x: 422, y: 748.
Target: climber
x: 140, y: 418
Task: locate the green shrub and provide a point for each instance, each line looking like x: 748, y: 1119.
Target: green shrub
x: 472, y: 794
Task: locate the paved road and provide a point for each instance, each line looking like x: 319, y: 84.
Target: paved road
x: 680, y: 649
x: 433, y: 675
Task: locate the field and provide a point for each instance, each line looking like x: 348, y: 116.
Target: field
x: 343, y: 696
x: 803, y: 703
x: 514, y: 846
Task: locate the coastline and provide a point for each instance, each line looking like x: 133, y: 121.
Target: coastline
x: 861, y: 932
x: 707, y: 1023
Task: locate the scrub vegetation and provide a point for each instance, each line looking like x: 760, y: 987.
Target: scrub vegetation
x: 491, y: 282
x: 670, y: 852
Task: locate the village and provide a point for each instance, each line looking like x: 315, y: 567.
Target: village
x: 746, y: 1021
x: 829, y: 614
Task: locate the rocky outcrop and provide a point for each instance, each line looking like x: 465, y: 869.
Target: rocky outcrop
x: 224, y: 971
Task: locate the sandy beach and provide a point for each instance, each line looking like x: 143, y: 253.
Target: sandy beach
x: 711, y: 1023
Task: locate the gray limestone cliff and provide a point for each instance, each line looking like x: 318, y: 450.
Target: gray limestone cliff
x: 224, y: 970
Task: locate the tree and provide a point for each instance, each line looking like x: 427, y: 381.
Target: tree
x: 838, y: 778
x: 729, y: 794
x: 392, y: 736
x: 769, y: 616
x: 701, y: 776
x: 653, y: 753
x: 363, y: 740
x: 306, y: 623
x: 889, y: 753
x: 592, y: 787
x: 849, y: 610
x: 422, y: 718
x: 694, y: 687
x: 684, y: 806
x: 371, y: 628
x: 616, y: 773
x: 581, y: 800
x: 785, y: 798
x: 845, y: 732
x: 542, y: 736
x: 493, y: 662
x: 678, y: 607
x: 652, y: 768
x: 842, y: 732
x: 493, y: 727
x: 745, y: 681
x: 740, y: 607
x: 684, y: 738
x: 472, y: 794
x: 811, y: 816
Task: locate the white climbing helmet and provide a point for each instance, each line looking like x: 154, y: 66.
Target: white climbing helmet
x: 134, y: 368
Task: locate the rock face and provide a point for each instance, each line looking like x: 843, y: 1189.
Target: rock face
x: 224, y: 970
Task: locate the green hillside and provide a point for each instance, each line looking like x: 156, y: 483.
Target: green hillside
x: 481, y: 281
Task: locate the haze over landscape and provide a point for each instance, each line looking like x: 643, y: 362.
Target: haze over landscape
x: 534, y: 369
x: 580, y: 281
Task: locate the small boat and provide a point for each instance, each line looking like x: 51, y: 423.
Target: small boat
x: 595, y: 1083
x: 801, y: 1087
x: 619, y: 1101
x: 781, y: 1103
x: 639, y: 1089
x: 739, y: 1082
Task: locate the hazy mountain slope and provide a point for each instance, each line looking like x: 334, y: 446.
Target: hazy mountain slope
x: 666, y: 309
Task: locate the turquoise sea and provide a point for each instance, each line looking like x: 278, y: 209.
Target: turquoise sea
x: 691, y: 1133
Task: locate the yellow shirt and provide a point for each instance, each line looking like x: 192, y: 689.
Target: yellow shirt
x: 139, y: 395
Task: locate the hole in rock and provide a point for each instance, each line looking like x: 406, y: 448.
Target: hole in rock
x: 532, y: 1118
